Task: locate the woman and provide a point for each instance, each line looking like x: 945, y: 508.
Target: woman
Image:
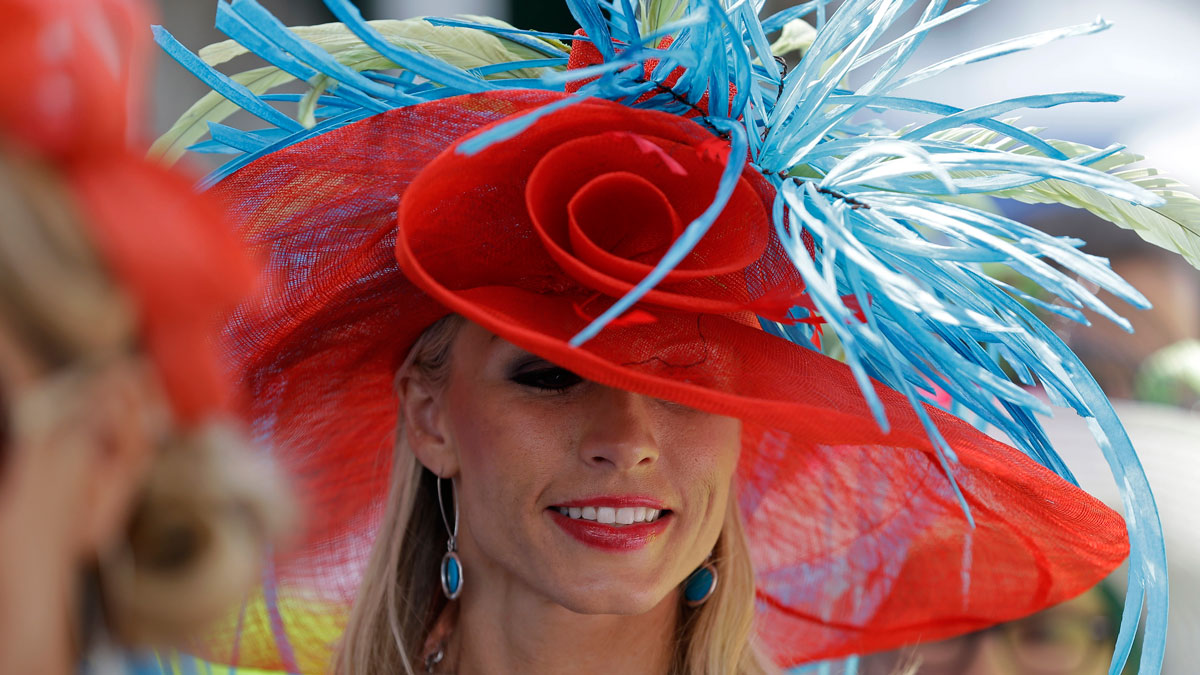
x: 1074, y: 638
x: 130, y: 510
x: 587, y: 336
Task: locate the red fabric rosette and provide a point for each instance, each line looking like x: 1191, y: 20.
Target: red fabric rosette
x: 606, y: 191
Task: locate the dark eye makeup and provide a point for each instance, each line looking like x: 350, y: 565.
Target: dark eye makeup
x: 536, y: 373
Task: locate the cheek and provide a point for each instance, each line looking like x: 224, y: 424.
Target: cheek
x: 703, y: 453
x: 507, y: 454
x: 707, y: 446
x: 725, y: 454
x: 503, y: 440
x: 729, y: 431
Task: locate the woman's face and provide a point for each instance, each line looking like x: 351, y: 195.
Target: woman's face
x: 531, y: 440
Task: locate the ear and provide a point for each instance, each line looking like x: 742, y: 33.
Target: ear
x: 424, y: 421
x: 128, y: 418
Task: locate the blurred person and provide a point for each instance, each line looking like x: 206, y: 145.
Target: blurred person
x: 1076, y: 637
x: 130, y: 510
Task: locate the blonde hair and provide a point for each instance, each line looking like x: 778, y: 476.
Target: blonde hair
x: 400, y: 598
x: 207, y: 508
x: 55, y: 294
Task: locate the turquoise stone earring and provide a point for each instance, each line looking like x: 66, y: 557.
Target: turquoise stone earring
x: 451, y: 569
x: 699, y: 585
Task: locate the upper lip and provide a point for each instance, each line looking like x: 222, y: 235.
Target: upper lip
x: 616, y: 501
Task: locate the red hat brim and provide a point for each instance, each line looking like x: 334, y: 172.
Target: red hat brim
x: 858, y: 539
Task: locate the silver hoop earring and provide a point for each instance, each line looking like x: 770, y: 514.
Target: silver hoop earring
x: 451, y: 568
x: 700, y: 585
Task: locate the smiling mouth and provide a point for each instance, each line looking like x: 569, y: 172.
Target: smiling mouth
x: 616, y: 517
x: 612, y: 528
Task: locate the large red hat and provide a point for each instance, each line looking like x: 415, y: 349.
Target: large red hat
x: 377, y: 229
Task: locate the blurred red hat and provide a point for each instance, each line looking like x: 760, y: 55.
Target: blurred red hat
x: 73, y: 71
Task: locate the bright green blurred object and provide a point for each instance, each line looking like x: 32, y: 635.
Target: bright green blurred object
x: 1171, y: 376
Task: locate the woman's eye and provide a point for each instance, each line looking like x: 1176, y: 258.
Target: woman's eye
x: 550, y: 379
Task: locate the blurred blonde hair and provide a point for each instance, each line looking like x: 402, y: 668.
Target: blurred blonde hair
x: 208, y: 507
x: 400, y: 598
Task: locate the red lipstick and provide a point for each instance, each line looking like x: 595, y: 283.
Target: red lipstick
x: 617, y: 502
x: 612, y: 536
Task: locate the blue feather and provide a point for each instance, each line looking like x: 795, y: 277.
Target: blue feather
x: 591, y: 19
x: 1003, y: 48
x: 287, y: 655
x: 379, y: 97
x: 187, y: 665
x: 494, y: 68
x: 219, y: 82
x: 428, y: 67
x: 243, y: 141
x: 237, y: 28
x: 777, y: 21
x: 967, y: 117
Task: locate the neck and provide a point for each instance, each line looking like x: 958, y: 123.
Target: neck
x: 514, y: 632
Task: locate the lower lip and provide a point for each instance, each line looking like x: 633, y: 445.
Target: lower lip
x: 611, y: 537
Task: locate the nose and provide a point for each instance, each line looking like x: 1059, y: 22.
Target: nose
x: 620, y: 432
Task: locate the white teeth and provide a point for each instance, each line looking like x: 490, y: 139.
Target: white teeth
x: 611, y: 515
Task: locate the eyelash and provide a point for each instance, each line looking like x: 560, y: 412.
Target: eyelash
x: 552, y: 379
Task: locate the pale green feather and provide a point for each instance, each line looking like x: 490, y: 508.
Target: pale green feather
x: 797, y: 36
x: 1173, y: 225
x: 465, y: 48
x: 654, y: 15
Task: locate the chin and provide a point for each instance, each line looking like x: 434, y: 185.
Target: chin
x: 625, y: 599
